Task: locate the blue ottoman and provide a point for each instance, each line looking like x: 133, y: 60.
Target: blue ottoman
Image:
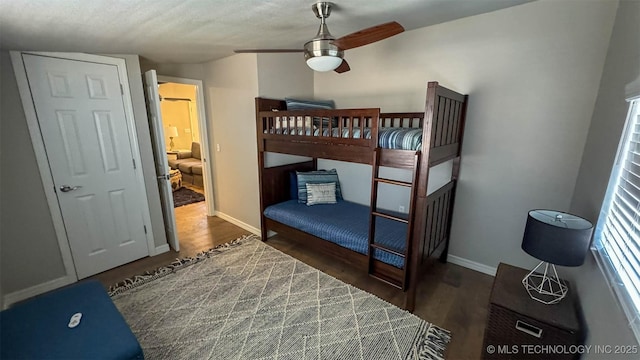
x: 38, y: 328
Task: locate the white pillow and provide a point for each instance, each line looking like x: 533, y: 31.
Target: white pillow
x: 321, y: 193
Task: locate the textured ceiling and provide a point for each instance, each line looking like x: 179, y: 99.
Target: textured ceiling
x: 193, y: 31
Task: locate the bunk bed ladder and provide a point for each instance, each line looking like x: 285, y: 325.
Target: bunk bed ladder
x: 375, y: 213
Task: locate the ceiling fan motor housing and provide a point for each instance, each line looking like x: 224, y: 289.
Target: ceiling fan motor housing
x: 322, y: 9
x: 321, y: 47
x: 322, y: 55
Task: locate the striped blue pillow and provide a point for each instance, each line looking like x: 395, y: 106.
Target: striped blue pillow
x: 297, y: 104
x: 323, y: 193
x: 316, y: 177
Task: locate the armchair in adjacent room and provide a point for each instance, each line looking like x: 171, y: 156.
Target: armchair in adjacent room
x: 190, y: 165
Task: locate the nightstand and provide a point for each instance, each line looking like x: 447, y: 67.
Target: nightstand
x: 172, y: 154
x: 519, y: 327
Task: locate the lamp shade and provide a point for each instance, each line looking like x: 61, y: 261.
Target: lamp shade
x: 324, y: 63
x: 172, y: 131
x: 556, y: 237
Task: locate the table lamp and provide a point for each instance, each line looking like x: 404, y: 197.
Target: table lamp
x: 555, y: 238
x: 172, y: 132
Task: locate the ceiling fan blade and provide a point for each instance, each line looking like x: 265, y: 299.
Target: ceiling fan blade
x: 368, y: 35
x: 244, y: 51
x: 344, y: 67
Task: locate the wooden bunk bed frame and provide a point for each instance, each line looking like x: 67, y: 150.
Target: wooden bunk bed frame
x: 429, y: 218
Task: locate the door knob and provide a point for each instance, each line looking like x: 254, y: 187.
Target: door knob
x: 67, y: 188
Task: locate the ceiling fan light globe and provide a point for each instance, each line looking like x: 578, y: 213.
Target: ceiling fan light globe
x: 324, y: 63
x: 322, y: 55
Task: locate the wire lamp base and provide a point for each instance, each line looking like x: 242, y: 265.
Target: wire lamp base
x: 547, y: 287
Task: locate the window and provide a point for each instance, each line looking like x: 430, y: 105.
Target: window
x: 617, y: 235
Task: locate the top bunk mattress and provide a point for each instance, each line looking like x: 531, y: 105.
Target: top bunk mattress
x: 398, y: 138
x: 345, y: 224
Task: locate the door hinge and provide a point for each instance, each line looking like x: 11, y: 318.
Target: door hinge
x: 145, y: 228
x: 121, y: 89
x: 134, y: 163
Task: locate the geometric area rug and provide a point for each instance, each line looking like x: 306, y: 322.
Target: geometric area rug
x: 247, y: 300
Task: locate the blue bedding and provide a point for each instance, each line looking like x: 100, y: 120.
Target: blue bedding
x: 388, y: 138
x: 345, y: 224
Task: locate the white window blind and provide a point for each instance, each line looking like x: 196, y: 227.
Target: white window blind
x: 617, y: 235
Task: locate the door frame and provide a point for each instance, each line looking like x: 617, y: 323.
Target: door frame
x: 161, y: 161
x: 207, y: 173
x: 43, y: 162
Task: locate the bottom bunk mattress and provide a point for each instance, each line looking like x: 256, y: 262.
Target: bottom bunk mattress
x: 345, y: 224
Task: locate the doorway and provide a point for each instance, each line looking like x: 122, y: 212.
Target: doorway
x: 185, y: 134
x: 182, y: 101
x: 178, y: 107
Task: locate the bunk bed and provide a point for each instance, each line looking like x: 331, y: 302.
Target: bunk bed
x: 412, y: 141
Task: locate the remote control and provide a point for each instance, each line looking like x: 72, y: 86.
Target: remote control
x: 75, y: 320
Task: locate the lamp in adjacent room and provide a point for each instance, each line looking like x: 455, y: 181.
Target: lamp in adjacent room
x: 172, y: 132
x: 555, y: 238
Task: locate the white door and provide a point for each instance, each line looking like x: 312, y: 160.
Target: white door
x: 80, y: 109
x: 160, y: 154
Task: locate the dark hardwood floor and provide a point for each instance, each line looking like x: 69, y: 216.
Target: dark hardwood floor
x: 449, y: 296
x: 197, y: 232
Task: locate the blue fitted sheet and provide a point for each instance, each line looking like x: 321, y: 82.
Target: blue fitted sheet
x: 345, y: 224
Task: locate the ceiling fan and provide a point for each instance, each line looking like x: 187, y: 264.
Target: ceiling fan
x: 324, y: 52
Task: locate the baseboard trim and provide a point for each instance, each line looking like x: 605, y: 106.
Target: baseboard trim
x: 161, y: 249
x: 234, y: 221
x: 472, y: 265
x: 32, y: 291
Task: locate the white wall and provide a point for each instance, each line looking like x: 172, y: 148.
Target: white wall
x: 284, y: 75
x: 29, y: 249
x: 531, y: 72
x: 355, y: 180
x: 281, y: 76
x: 188, y: 71
x: 607, y: 323
x: 231, y: 84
